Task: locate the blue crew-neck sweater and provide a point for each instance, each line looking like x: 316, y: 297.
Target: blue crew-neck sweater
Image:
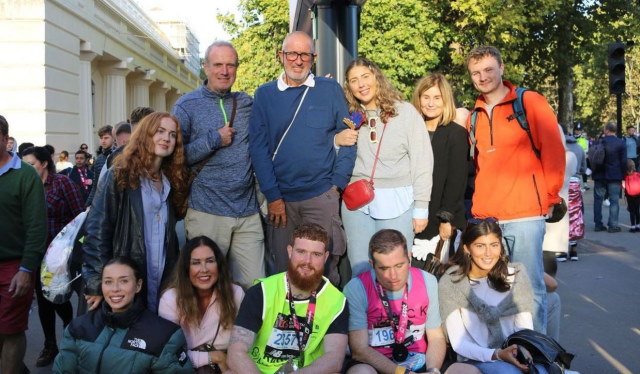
x: 225, y: 185
x: 306, y: 164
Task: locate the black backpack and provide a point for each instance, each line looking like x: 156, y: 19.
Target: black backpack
x: 544, y: 350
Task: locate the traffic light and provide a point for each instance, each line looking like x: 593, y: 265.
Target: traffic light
x: 616, y: 68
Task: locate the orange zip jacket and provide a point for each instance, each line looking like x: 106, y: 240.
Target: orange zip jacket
x: 511, y: 182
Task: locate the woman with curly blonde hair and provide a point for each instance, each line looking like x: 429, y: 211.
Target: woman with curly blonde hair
x: 136, y: 206
x: 405, y: 162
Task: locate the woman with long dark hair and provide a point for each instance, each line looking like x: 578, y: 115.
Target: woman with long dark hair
x: 403, y: 170
x: 203, y: 300
x: 134, y: 211
x: 484, y: 300
x: 64, y: 203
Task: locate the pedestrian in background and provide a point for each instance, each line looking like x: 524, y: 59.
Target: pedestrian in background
x: 632, y: 179
x: 608, y: 179
x: 24, y: 233
x: 64, y: 203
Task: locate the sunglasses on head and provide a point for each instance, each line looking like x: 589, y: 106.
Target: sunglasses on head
x: 477, y: 221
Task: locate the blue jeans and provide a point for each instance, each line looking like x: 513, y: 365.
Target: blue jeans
x: 524, y: 243
x: 553, y: 315
x: 613, y: 188
x: 500, y: 367
x: 360, y: 227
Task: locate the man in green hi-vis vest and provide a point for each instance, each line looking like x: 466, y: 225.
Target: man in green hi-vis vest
x: 292, y: 321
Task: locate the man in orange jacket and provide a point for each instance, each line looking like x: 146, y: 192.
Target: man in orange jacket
x: 513, y: 184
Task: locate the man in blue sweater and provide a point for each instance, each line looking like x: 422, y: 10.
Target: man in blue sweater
x: 293, y: 123
x: 222, y: 201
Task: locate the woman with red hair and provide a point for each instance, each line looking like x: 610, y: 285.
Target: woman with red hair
x: 135, y: 209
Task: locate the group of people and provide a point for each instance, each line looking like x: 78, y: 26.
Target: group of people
x: 293, y: 150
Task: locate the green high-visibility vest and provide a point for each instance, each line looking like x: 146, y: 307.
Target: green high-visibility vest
x: 275, y: 342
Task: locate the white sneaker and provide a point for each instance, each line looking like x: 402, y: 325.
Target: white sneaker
x: 606, y: 202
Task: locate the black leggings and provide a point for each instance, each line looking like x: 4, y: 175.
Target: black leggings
x: 47, y: 313
x: 633, y: 206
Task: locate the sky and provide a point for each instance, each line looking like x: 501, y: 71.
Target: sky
x: 200, y: 15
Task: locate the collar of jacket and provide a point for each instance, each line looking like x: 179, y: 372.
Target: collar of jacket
x: 509, y: 97
x: 123, y: 320
x: 207, y: 92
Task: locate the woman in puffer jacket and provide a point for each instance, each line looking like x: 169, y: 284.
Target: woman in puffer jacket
x: 122, y: 336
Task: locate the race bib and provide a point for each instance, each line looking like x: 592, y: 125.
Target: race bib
x: 283, y: 340
x: 381, y: 336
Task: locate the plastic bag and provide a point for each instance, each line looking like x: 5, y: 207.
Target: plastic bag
x: 55, y: 272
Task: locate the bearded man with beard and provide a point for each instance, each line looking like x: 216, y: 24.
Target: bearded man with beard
x: 292, y: 321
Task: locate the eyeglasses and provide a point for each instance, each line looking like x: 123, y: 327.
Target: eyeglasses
x: 292, y: 56
x: 373, y: 134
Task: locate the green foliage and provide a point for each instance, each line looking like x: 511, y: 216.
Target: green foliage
x: 556, y: 47
x: 257, y: 36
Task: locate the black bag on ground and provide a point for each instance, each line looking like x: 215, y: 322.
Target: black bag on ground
x: 545, y: 350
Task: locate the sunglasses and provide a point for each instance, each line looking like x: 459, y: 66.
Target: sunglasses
x: 373, y: 133
x: 476, y: 221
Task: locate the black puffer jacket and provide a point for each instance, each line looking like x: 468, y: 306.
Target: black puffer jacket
x: 115, y: 227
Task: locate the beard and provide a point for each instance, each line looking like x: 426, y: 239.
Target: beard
x: 303, y: 282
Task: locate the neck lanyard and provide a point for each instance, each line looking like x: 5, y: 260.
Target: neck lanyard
x: 303, y: 336
x: 224, y: 113
x: 400, y: 330
x: 83, y: 178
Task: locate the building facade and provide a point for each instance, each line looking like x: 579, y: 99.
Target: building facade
x: 72, y: 66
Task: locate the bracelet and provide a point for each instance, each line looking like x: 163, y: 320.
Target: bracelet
x: 497, y: 352
x: 210, y: 360
x: 433, y: 370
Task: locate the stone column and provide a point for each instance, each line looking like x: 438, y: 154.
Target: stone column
x: 85, y: 111
x: 115, y: 92
x: 158, y: 97
x: 141, y: 88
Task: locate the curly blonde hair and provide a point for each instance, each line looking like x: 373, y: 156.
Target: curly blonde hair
x: 136, y: 160
x: 386, y: 96
x: 436, y: 80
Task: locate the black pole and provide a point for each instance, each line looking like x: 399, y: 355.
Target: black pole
x: 619, y: 113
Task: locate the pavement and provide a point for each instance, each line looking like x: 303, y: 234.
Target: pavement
x: 600, y: 302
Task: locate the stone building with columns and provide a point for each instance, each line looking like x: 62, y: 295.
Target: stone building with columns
x: 69, y: 67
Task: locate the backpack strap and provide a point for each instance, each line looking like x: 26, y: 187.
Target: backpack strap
x: 520, y: 114
x: 472, y: 133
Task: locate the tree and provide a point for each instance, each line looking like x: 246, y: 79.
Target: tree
x: 257, y: 36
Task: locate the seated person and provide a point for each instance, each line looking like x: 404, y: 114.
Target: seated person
x: 487, y: 299
x: 122, y: 336
x: 394, y: 321
x: 296, y: 320
x: 203, y: 300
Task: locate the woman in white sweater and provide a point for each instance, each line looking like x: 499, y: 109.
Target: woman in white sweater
x: 403, y: 172
x: 483, y: 300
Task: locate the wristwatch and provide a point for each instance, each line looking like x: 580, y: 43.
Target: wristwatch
x: 433, y: 370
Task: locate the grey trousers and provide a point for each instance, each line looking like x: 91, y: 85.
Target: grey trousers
x: 322, y: 210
